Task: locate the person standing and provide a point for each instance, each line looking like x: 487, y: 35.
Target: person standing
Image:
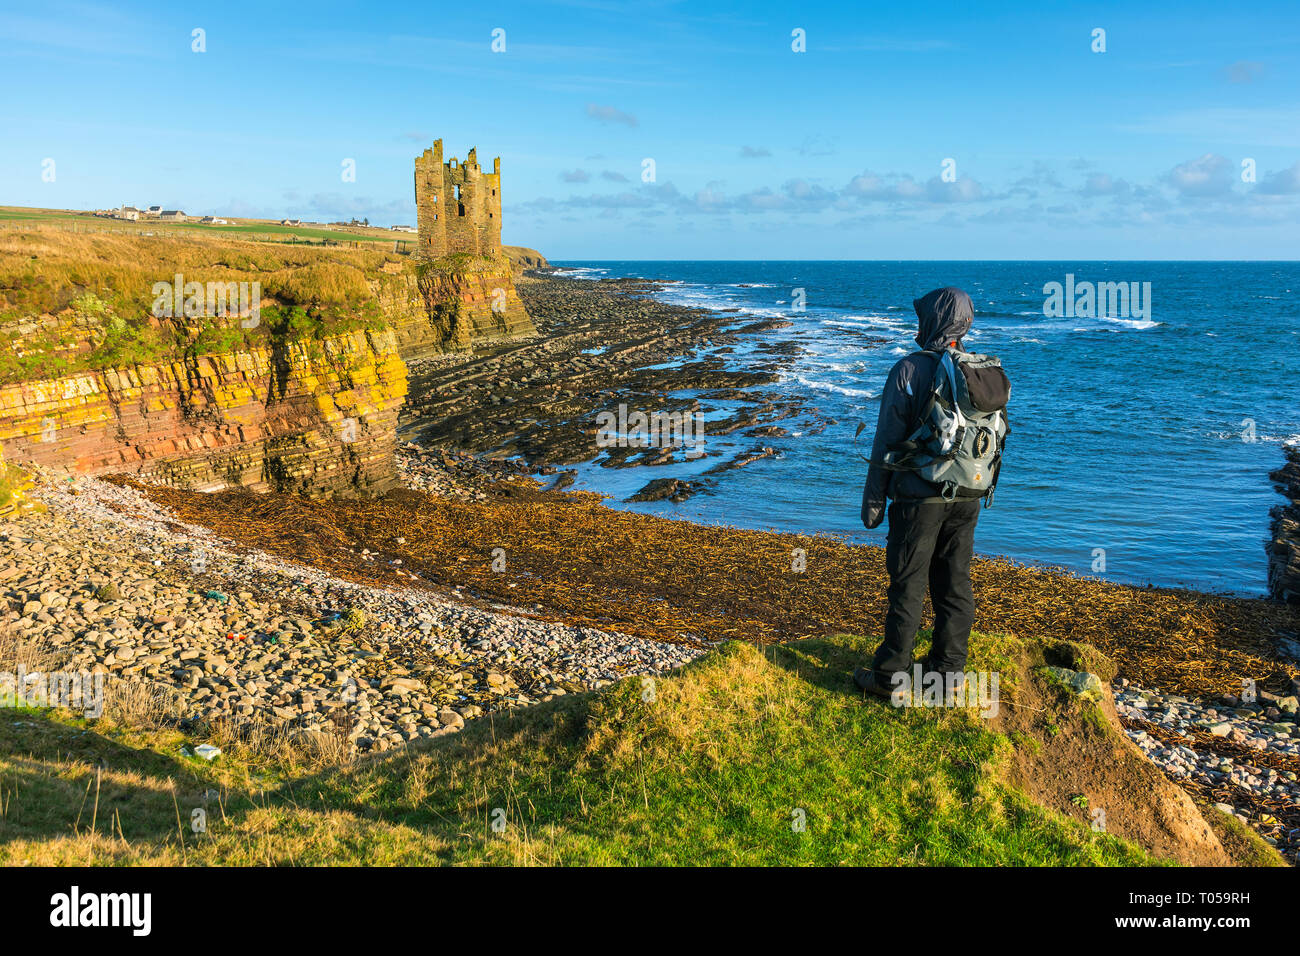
x: 935, y: 457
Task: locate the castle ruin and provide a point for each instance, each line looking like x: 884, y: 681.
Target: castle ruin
x: 457, y: 205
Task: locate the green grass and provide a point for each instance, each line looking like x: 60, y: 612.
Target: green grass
x: 748, y: 756
x: 14, y: 481
x: 304, y: 232
x: 8, y: 484
x: 239, y: 231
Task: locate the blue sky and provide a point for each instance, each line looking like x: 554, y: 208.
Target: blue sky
x: 759, y: 151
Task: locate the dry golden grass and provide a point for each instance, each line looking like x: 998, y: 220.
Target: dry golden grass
x: 76, y: 301
x: 16, y: 652
x: 42, y: 270
x: 136, y: 707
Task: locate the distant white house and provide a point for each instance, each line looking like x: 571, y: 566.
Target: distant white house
x: 128, y: 212
x: 291, y: 222
x: 213, y: 221
x: 153, y: 212
x: 402, y: 228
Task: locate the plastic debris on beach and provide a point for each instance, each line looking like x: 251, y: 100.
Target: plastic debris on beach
x: 591, y: 566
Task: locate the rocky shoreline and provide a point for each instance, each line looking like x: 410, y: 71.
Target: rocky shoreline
x: 108, y: 581
x: 1241, y: 755
x: 105, y: 581
x: 1284, y: 541
x: 601, y: 345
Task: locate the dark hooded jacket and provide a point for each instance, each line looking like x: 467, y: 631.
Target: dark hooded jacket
x: 943, y: 317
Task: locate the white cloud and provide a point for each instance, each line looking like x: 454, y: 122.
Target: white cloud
x: 608, y: 114
x: 1210, y: 175
x: 1282, y: 183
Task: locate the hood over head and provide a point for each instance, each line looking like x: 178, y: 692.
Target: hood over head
x: 944, y: 315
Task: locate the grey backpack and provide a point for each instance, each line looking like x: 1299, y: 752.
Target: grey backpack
x: 962, y: 429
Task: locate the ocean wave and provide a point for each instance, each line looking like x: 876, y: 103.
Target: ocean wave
x: 1142, y: 324
x: 817, y: 386
x: 772, y: 313
x: 580, y: 272
x: 874, y: 323
x: 1258, y: 439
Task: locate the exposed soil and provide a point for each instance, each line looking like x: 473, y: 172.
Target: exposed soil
x: 1072, y: 758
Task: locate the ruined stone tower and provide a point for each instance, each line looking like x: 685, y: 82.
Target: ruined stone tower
x: 457, y: 205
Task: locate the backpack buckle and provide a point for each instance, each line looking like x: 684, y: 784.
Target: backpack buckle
x: 949, y: 491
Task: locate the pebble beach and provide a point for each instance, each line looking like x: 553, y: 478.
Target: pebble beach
x: 108, y: 582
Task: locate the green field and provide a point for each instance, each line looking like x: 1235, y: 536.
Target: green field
x: 270, y: 230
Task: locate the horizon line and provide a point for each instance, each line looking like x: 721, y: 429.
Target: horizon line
x: 1226, y: 261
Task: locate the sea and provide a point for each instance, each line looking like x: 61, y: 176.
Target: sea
x: 1142, y: 432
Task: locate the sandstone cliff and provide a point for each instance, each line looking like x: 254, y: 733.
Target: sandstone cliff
x: 305, y: 399
x: 311, y: 416
x: 450, y: 304
x: 521, y: 258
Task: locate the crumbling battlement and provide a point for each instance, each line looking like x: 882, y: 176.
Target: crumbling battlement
x: 458, y: 206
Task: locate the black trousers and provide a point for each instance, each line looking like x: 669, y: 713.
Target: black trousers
x: 929, y: 543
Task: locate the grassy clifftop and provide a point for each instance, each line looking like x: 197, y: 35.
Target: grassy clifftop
x: 522, y: 257
x: 74, y: 302
x: 748, y: 756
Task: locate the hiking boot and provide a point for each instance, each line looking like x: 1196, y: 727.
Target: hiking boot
x: 866, y: 681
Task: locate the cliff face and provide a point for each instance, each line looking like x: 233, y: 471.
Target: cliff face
x: 312, y: 416
x: 450, y: 304
x: 521, y: 258
x: 304, y: 399
x: 1284, y: 548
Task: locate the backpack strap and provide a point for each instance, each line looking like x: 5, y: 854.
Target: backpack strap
x: 997, y: 461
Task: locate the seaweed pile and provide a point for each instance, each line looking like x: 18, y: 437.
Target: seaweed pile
x: 577, y: 561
